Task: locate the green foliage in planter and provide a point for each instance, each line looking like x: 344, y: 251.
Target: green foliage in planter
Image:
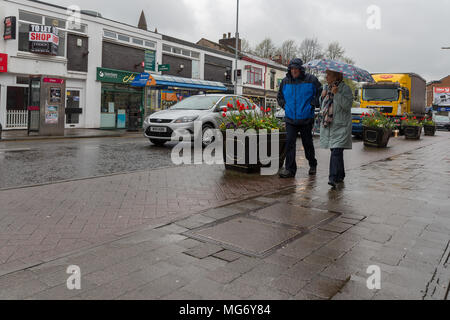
x: 247, y: 117
x: 429, y: 122
x: 412, y: 121
x: 377, y: 120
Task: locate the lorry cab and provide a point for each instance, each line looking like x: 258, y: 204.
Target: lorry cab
x: 395, y: 94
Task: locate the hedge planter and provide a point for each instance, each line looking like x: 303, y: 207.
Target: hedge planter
x: 231, y: 158
x: 430, y: 130
x: 376, y: 137
x: 413, y: 132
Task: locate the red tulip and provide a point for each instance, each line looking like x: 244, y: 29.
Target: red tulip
x: 224, y: 114
x: 268, y: 109
x: 225, y: 110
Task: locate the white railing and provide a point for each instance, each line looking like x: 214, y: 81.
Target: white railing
x: 16, y: 119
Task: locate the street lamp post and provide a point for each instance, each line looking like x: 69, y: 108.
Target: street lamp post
x: 237, y: 54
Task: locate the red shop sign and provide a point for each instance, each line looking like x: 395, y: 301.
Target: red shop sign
x: 54, y: 80
x: 3, y: 62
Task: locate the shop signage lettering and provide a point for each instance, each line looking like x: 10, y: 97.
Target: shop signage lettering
x: 115, y: 76
x: 43, y: 39
x: 150, y: 60
x: 10, y: 28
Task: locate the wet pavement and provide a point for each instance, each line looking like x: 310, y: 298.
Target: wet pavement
x: 193, y: 237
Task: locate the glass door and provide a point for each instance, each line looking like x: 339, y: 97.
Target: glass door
x: 74, y: 109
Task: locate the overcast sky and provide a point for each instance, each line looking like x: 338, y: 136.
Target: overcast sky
x: 410, y: 39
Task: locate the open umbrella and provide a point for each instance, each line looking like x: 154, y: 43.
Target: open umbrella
x: 349, y: 71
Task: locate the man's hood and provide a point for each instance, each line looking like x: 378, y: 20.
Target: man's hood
x: 298, y: 64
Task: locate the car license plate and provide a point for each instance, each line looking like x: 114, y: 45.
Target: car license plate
x: 356, y: 121
x: 158, y: 129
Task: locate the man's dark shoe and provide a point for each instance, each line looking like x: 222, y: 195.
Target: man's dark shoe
x: 332, y: 183
x: 286, y: 174
x: 313, y: 171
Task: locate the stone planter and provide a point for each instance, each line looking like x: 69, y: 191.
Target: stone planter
x: 412, y: 132
x: 429, y: 130
x: 244, y: 163
x: 376, y: 137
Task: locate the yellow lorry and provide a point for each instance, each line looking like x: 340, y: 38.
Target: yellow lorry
x: 395, y: 94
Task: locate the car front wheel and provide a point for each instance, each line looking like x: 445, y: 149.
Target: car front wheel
x: 207, y: 135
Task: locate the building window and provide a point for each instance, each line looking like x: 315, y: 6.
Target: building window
x: 16, y: 98
x: 272, y: 80
x: 30, y: 17
x: 138, y: 41
x: 150, y: 44
x: 254, y: 75
x: 195, y: 55
x: 61, y: 24
x: 176, y: 50
x: 26, y: 19
x: 167, y: 48
x: 121, y: 37
x: 110, y: 34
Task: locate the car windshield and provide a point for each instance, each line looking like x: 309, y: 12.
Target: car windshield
x: 380, y: 94
x: 442, y: 119
x: 196, y: 103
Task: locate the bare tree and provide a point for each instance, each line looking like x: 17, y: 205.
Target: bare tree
x: 246, y: 46
x: 288, y: 51
x: 310, y: 49
x: 266, y: 49
x: 334, y: 51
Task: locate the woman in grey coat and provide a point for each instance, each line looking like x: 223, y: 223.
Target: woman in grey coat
x: 336, y: 127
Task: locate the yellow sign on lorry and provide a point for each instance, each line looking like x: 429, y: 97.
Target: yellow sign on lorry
x: 395, y: 94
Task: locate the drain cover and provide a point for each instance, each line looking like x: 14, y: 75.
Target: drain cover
x: 249, y: 236
x: 295, y: 216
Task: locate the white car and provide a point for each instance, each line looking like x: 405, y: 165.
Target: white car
x: 160, y: 126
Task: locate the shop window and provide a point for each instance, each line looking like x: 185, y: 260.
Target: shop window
x: 16, y: 98
x: 176, y: 50
x: 24, y: 29
x: 195, y: 55
x: 186, y: 53
x: 167, y: 48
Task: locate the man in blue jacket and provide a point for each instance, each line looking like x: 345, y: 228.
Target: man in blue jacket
x: 299, y: 96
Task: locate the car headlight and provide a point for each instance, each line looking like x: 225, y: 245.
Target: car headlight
x: 186, y: 119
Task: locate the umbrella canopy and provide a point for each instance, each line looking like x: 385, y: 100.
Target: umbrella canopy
x: 349, y: 71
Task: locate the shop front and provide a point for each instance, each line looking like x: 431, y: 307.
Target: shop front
x: 119, y: 98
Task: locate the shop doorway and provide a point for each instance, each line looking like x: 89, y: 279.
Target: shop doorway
x: 74, y: 108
